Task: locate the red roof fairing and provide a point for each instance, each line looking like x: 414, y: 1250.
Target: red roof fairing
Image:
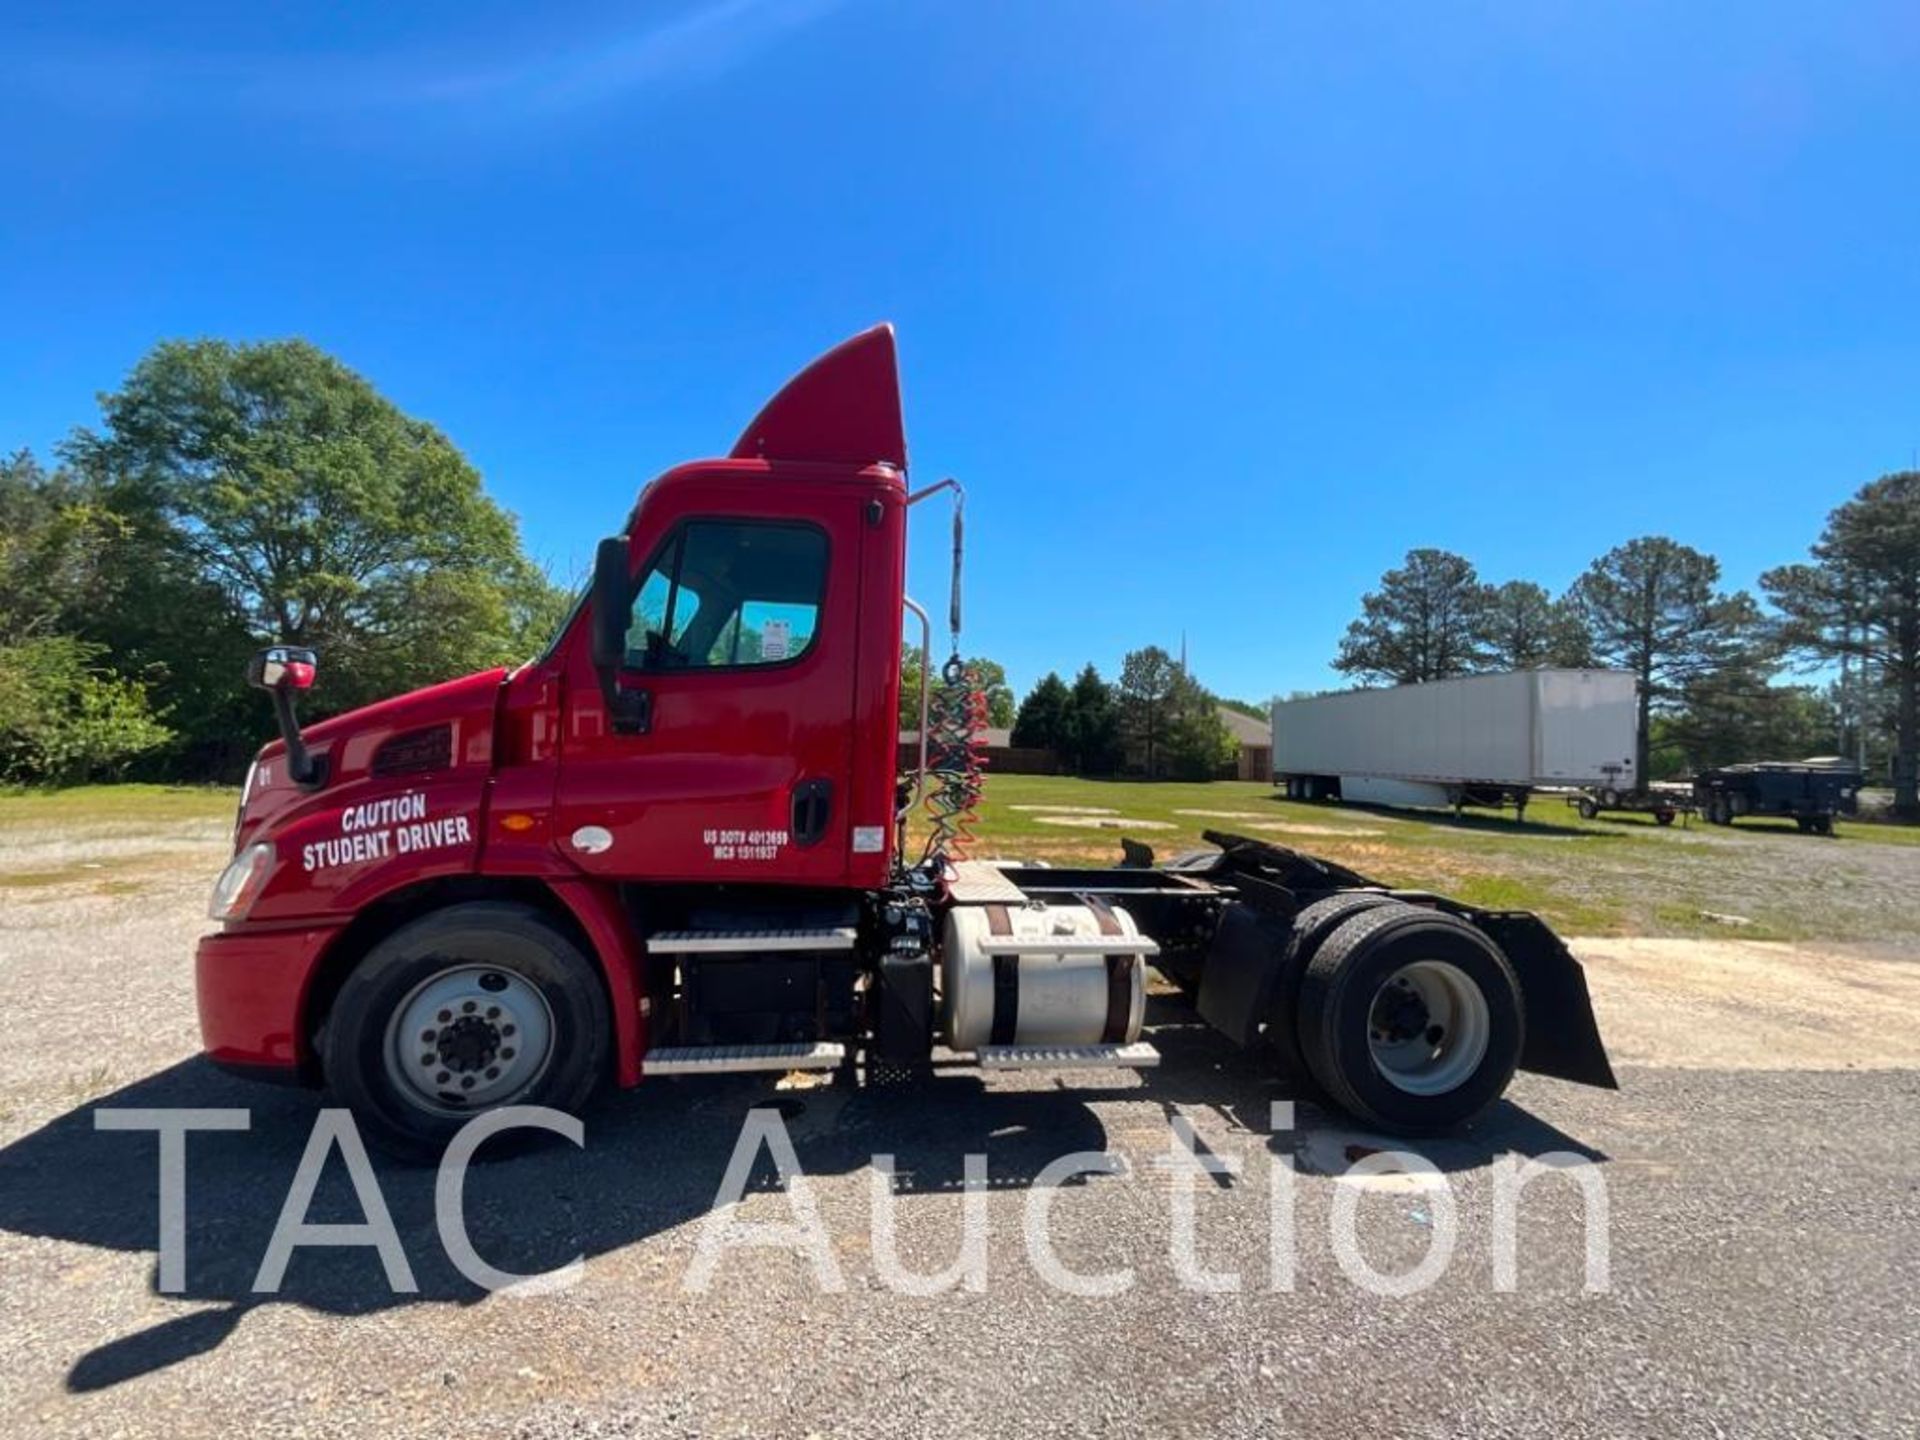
x: 843, y: 409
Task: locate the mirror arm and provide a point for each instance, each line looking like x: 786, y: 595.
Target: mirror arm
x: 303, y: 767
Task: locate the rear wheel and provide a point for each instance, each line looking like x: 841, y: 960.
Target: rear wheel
x: 1411, y: 1019
x: 462, y: 1011
x: 1311, y: 927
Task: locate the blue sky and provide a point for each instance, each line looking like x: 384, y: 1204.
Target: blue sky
x: 1217, y: 308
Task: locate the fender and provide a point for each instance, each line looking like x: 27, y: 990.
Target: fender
x: 597, y: 908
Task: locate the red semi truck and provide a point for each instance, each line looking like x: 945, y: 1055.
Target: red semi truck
x: 676, y: 843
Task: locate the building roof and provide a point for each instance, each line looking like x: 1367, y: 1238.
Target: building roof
x: 1245, y: 729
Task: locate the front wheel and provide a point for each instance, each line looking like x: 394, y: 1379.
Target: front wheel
x: 465, y: 1010
x: 1411, y: 1019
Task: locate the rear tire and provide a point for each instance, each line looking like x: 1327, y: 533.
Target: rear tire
x: 1411, y: 1020
x: 463, y: 1011
x: 1311, y: 929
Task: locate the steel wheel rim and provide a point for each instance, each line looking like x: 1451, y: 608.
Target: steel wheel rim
x: 467, y: 1038
x: 1428, y: 1028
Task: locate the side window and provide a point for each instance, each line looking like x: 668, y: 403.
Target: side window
x: 729, y: 592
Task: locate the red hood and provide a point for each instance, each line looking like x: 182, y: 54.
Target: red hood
x: 442, y: 728
x: 400, y: 712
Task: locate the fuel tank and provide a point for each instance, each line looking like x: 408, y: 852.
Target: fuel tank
x: 1042, y: 975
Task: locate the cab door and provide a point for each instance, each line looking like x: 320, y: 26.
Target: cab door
x: 742, y: 639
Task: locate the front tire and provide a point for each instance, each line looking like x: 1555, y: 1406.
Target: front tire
x: 1411, y: 1020
x: 463, y: 1011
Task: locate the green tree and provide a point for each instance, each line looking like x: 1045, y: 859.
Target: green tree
x: 1425, y: 622
x: 910, y: 674
x: 79, y: 558
x: 1859, y: 602
x: 1568, y: 644
x: 1093, y: 725
x: 990, y: 675
x: 992, y: 678
x: 1732, y: 715
x: 65, y: 717
x: 1517, y: 626
x: 1654, y: 607
x: 1198, y: 745
x: 1149, y: 678
x: 51, y: 539
x: 1045, y: 718
x: 330, y: 518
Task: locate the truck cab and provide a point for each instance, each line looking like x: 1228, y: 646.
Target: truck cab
x: 674, y: 843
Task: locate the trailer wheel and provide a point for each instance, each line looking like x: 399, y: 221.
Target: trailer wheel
x: 1311, y: 927
x: 1585, y: 807
x: 1610, y: 798
x: 1411, y: 1019
x: 465, y: 1010
x: 1663, y: 817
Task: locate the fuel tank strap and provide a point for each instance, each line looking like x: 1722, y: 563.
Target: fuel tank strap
x: 1119, y: 997
x: 1006, y: 1000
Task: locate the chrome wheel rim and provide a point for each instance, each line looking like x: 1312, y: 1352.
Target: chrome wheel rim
x: 467, y: 1038
x: 1428, y: 1028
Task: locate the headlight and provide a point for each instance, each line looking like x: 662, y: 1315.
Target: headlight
x: 240, y: 882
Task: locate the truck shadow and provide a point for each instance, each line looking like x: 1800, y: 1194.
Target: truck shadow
x: 653, y: 1161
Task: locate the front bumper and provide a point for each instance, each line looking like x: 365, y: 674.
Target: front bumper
x: 251, y: 988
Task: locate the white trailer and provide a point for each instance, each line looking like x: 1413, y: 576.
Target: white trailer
x: 1477, y: 740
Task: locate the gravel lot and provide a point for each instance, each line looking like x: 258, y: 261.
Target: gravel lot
x: 1758, y: 1163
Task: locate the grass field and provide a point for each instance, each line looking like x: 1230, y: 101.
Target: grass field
x: 1614, y: 875
x: 91, y: 805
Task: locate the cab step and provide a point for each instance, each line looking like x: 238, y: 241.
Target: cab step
x: 732, y: 1059
x: 750, y: 942
x: 1137, y: 1056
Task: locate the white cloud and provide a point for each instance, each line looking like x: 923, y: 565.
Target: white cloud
x: 690, y: 43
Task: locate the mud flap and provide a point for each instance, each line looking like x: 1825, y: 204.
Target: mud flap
x: 1242, y: 972
x: 1563, y: 1038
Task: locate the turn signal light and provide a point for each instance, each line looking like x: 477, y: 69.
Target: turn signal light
x: 241, y: 882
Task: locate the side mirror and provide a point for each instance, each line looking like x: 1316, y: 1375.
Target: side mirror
x: 282, y: 666
x: 283, y: 671
x: 629, y: 712
x: 611, y: 602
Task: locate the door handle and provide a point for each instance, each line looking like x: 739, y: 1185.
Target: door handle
x: 812, y: 805
x: 630, y: 711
